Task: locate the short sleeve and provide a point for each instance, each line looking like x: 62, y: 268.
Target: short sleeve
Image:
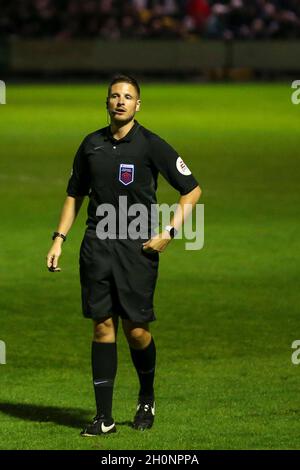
x: 167, y: 161
x: 79, y: 182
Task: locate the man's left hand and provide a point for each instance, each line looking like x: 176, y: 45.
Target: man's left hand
x: 158, y: 243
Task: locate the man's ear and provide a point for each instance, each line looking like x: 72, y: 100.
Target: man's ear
x: 138, y: 104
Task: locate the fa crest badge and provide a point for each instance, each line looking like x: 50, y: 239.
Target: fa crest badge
x: 126, y: 173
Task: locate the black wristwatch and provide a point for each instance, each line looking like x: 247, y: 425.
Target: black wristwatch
x: 60, y: 235
x: 172, y: 231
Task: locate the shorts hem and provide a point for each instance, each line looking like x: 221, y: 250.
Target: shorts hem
x: 134, y: 318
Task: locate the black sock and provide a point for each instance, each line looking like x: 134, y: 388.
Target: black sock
x: 104, y: 366
x: 144, y: 362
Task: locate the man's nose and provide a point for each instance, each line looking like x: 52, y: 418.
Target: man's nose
x: 121, y: 101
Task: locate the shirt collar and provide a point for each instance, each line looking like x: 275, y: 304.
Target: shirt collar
x: 127, y: 138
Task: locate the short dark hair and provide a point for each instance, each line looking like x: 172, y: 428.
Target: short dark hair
x: 119, y: 78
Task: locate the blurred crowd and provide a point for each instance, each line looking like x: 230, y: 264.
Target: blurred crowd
x: 139, y: 19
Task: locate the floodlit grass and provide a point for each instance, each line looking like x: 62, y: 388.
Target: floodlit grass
x: 227, y: 315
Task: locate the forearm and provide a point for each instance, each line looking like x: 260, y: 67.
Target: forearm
x: 186, y: 204
x: 69, y: 213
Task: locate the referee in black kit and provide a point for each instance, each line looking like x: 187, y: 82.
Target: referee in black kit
x: 118, y: 272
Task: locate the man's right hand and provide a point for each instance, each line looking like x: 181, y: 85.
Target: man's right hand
x: 53, y: 256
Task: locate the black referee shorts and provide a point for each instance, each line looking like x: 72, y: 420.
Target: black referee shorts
x: 117, y: 278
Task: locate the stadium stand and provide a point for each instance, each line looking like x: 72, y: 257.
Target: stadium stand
x: 150, y: 19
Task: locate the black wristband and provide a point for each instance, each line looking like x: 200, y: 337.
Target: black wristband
x: 57, y: 234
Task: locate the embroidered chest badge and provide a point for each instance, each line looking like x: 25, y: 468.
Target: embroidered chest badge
x: 126, y: 173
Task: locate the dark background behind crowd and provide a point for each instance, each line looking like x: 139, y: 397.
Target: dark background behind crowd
x: 143, y: 19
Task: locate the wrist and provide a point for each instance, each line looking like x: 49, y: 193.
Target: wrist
x: 59, y: 237
x: 171, y: 231
x: 165, y: 235
x: 58, y: 241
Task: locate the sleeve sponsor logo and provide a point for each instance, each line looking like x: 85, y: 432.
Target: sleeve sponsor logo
x: 182, y: 168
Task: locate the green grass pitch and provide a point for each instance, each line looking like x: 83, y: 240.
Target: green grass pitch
x: 227, y: 315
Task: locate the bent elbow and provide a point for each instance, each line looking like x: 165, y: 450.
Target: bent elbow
x: 198, y: 192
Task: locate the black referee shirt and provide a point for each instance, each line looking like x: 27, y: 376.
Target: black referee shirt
x: 105, y: 169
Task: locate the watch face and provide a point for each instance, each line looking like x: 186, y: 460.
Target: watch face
x: 171, y: 231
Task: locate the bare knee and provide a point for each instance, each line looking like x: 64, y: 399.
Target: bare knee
x: 104, y: 331
x: 138, y: 337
